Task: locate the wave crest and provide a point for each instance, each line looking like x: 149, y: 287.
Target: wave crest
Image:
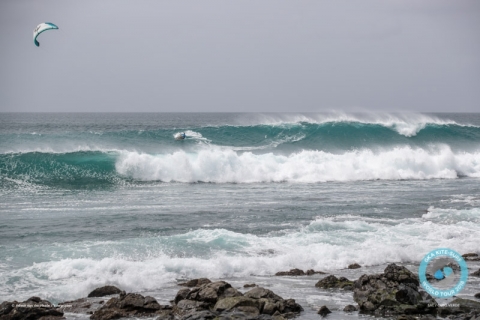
x: 227, y: 166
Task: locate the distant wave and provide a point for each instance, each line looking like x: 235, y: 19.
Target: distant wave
x: 220, y: 165
x: 406, y: 124
x: 290, y: 138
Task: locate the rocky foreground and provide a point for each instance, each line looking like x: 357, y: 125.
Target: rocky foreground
x: 394, y: 294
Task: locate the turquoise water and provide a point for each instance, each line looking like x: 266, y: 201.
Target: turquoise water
x: 90, y: 199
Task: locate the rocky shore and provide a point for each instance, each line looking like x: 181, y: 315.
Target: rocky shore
x: 393, y: 294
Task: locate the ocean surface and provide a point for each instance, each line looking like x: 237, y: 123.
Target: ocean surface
x: 94, y: 199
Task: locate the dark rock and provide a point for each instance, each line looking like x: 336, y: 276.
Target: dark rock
x: 259, y: 293
x: 181, y: 294
x: 292, y: 272
x: 393, y: 292
x: 354, y: 266
x: 477, y: 295
x: 32, y: 309
x: 312, y: 272
x: 211, y: 292
x: 350, y: 308
x: 195, y: 282
x: 104, y: 291
x: 34, y: 299
x: 228, y: 303
x: 82, y: 305
x: 6, y: 307
x: 416, y: 317
x: 323, y: 311
x: 289, y: 306
x: 466, y: 305
x: 471, y: 257
x: 331, y: 281
x: 201, y: 315
x: 476, y: 273
x: 249, y: 285
x: 131, y: 305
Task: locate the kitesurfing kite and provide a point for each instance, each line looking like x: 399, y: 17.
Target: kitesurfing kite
x: 41, y: 28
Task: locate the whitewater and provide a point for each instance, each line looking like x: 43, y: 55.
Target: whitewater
x: 94, y: 199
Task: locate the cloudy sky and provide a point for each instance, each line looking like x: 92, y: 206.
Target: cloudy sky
x: 248, y: 55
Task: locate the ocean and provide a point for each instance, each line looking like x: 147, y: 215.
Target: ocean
x: 88, y: 199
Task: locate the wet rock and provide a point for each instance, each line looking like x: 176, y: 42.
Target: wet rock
x: 466, y: 305
x: 354, y: 266
x: 231, y: 303
x: 350, y: 308
x: 298, y: 272
x: 292, y: 272
x: 32, y: 309
x: 104, y: 291
x: 83, y: 305
x: 249, y: 285
x: 131, y: 305
x: 6, y: 307
x: 201, y: 315
x: 226, y: 302
x: 211, y: 292
x: 477, y: 295
x: 471, y: 257
x: 195, y: 282
x: 312, y: 272
x: 259, y: 293
x: 416, y: 317
x: 331, y: 281
x: 396, y: 291
x: 181, y: 295
x: 323, y: 311
x: 476, y: 273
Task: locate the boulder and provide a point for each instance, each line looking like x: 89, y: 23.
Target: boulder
x: 396, y: 291
x: 104, y: 291
x: 226, y: 302
x: 211, y: 292
x: 460, y: 309
x: 249, y: 285
x: 83, y: 305
x: 292, y: 272
x: 350, y: 308
x: 259, y: 293
x: 312, y: 272
x: 323, y: 311
x: 476, y: 273
x: 477, y: 295
x: 471, y: 257
x: 354, y: 266
x: 231, y: 303
x: 331, y: 281
x: 195, y: 282
x: 32, y: 309
x: 298, y: 272
x: 131, y: 305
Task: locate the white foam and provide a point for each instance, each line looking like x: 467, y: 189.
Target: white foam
x: 325, y: 244
x: 227, y: 166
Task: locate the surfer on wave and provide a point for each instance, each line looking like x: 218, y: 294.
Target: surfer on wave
x: 180, y: 136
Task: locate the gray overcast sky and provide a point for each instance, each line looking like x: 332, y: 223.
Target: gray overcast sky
x: 243, y: 55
